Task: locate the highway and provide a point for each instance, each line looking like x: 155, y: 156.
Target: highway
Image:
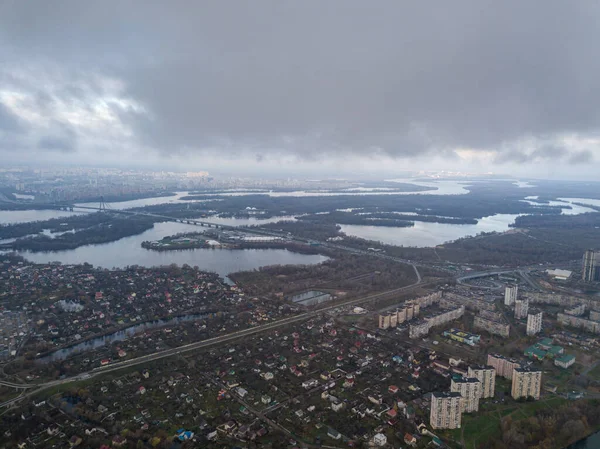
x: 35, y: 389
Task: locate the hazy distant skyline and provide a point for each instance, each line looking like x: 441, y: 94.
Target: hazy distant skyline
x: 337, y: 87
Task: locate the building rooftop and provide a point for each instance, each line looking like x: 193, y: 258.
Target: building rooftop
x: 446, y: 394
x: 528, y: 369
x: 466, y: 380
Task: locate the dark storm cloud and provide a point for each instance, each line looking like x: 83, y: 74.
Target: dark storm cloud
x: 57, y: 143
x: 329, y: 78
x: 581, y: 157
x: 9, y: 122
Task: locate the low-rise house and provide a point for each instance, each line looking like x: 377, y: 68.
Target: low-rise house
x: 332, y: 433
x: 379, y: 439
x: 565, y: 361
x: 410, y: 439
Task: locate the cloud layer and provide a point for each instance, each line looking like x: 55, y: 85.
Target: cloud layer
x: 310, y: 79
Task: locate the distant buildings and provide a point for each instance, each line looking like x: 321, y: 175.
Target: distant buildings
x: 510, y: 294
x: 470, y: 391
x: 492, y: 322
x: 487, y: 376
x: 446, y: 410
x: 504, y: 366
x: 526, y: 382
x: 591, y: 266
x: 534, y: 322
x: 521, y: 308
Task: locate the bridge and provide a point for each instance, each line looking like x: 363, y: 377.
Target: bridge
x: 105, y: 207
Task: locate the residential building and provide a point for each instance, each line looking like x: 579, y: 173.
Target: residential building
x: 565, y: 361
x: 510, y: 294
x: 445, y: 410
x: 418, y: 329
x: 521, y: 308
x: 582, y: 323
x: 470, y: 391
x: 401, y: 315
x: 384, y: 321
x: 504, y: 366
x: 476, y: 303
x: 534, y: 322
x: 526, y: 382
x: 462, y: 336
x: 577, y: 310
x: 487, y: 376
x: 492, y: 322
x: 421, y: 328
x: 591, y: 266
x: 379, y: 439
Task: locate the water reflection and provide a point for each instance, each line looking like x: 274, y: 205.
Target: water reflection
x: 424, y: 234
x: 128, y: 251
x: 26, y: 216
x: 121, y: 335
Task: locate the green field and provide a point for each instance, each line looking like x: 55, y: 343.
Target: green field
x: 477, y: 429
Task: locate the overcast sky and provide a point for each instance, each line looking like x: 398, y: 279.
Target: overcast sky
x: 347, y: 86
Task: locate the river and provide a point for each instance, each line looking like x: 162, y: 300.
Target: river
x: 128, y: 251
x: 424, y: 234
x: 591, y: 442
x: 25, y: 216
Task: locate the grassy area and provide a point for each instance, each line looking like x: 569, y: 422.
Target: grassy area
x: 484, y: 427
x: 595, y: 373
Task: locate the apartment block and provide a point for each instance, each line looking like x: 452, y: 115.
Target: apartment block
x: 470, y: 391
x: 492, y: 322
x: 384, y: 321
x: 591, y: 266
x: 418, y: 329
x: 487, y: 376
x: 445, y: 410
x: 521, y: 308
x: 577, y: 310
x: 534, y: 322
x: 504, y: 366
x: 471, y: 303
x: 526, y: 382
x: 510, y: 294
x: 421, y: 328
x: 579, y: 322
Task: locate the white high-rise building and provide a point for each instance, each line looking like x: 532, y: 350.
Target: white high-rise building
x: 591, y: 265
x: 526, y: 382
x: 510, y: 294
x: 470, y: 391
x: 521, y: 308
x: 487, y: 377
x: 446, y: 410
x: 534, y: 322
